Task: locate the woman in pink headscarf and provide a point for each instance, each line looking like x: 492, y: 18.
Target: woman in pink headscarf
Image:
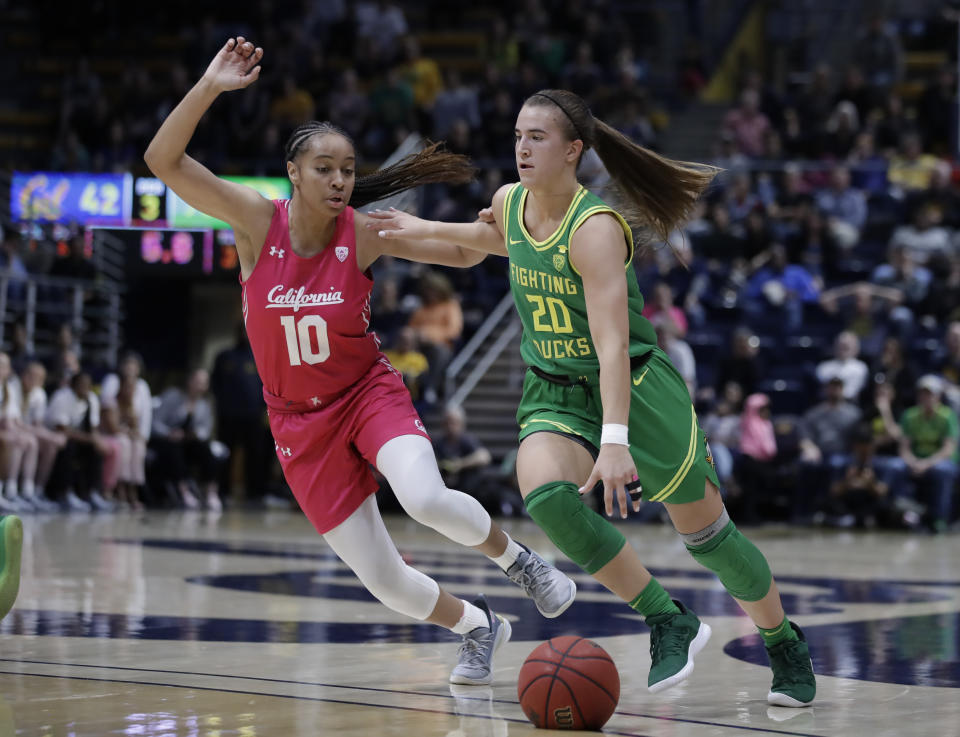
x: 758, y: 446
x: 757, y: 438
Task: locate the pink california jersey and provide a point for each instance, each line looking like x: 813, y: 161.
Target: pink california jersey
x: 307, y: 318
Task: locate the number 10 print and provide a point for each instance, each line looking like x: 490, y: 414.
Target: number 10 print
x: 300, y: 342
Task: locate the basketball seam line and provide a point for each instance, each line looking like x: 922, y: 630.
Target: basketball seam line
x: 584, y: 676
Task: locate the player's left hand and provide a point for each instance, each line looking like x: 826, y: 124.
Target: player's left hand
x: 396, y: 224
x: 615, y: 467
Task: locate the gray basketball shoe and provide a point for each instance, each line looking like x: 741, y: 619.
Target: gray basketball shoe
x: 551, y: 590
x: 475, y: 658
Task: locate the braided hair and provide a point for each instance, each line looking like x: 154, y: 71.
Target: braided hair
x: 432, y: 165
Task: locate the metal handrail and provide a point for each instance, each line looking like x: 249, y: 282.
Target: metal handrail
x: 473, y: 378
x: 473, y: 345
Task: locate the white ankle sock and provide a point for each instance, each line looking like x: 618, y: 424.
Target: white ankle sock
x: 10, y: 488
x: 28, y: 489
x: 472, y: 618
x: 509, y: 556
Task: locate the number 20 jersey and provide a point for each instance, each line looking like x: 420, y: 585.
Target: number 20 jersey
x: 548, y: 290
x: 308, y: 318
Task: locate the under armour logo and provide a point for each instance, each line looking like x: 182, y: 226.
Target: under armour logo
x: 280, y: 449
x: 316, y: 401
x: 274, y: 251
x: 419, y: 426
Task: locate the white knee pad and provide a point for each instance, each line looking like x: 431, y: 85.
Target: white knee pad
x: 362, y: 542
x: 410, y: 466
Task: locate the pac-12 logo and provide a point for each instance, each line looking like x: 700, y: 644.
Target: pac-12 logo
x: 342, y: 252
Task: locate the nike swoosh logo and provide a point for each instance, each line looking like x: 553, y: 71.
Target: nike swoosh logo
x: 514, y: 243
x: 636, y: 382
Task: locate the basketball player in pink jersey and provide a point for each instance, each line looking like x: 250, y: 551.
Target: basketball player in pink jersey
x: 335, y: 403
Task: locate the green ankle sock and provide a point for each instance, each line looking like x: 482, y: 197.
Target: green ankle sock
x: 781, y: 633
x: 654, y: 600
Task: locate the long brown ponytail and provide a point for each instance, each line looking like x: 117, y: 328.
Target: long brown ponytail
x: 655, y: 191
x: 432, y: 165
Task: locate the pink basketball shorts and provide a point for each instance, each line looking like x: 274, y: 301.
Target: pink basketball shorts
x: 326, y: 454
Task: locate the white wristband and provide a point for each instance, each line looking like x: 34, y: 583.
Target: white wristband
x: 612, y: 433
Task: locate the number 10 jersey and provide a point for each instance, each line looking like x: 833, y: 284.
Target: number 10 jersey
x: 308, y: 318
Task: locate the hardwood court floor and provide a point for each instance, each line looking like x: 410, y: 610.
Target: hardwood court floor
x: 245, y: 625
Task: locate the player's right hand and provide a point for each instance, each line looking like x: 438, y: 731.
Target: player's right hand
x: 236, y: 65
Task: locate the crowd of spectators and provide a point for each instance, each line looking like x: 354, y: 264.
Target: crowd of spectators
x: 812, y: 304
x: 828, y: 252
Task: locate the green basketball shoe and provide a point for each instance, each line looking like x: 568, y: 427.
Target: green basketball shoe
x: 674, y: 640
x: 11, y: 542
x: 793, y: 681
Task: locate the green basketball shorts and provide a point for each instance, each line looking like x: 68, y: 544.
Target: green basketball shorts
x: 666, y: 442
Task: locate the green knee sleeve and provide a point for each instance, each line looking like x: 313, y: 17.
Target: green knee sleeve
x: 582, y: 535
x: 738, y: 563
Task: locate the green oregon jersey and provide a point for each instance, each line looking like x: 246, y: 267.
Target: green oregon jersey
x: 548, y: 290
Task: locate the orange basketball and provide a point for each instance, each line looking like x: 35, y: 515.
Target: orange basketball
x: 569, y: 683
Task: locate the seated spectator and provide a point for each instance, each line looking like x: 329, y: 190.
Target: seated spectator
x: 75, y: 411
x: 740, y: 199
x: 742, y: 365
x: 846, y: 365
x: 865, y: 309
x: 438, y: 324
x: 868, y: 168
x: 825, y: 443
x: 858, y: 497
x: 929, y: 449
x: 292, y: 105
x: 941, y: 195
x: 924, y: 236
x: 460, y: 455
x: 747, y: 124
x: 779, y: 290
x: 758, y: 451
x: 722, y: 427
x: 911, y: 169
x: 661, y: 308
x: 457, y: 101
x: 844, y: 207
x: 901, y: 272
x: 140, y: 407
x: 19, y: 448
x: 409, y: 361
x: 840, y: 130
x: 49, y: 442
x: 894, y: 367
x: 183, y: 435
x: 114, y: 435
x: 21, y: 352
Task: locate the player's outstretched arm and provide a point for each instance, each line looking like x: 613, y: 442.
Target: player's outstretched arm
x: 431, y: 241
x: 236, y: 66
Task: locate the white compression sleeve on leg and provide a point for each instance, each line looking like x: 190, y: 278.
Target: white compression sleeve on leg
x: 410, y: 466
x: 363, y: 543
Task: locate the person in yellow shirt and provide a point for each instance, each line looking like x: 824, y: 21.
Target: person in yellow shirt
x: 422, y: 74
x: 912, y: 169
x: 409, y: 361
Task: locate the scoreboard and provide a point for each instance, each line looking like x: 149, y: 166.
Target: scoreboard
x: 116, y: 200
x: 176, y: 252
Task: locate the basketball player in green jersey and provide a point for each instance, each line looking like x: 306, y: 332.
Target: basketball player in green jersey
x: 601, y: 403
x: 11, y: 542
